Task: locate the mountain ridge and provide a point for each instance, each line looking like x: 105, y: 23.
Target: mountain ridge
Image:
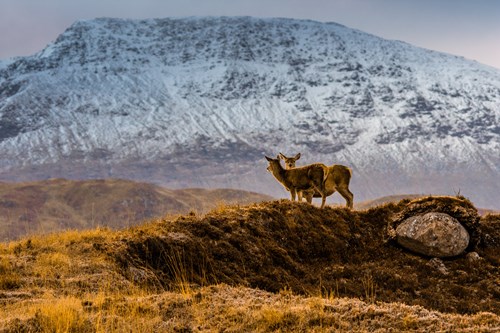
x: 198, y: 102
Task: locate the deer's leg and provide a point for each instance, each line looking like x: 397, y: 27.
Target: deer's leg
x: 320, y: 190
x: 292, y: 193
x: 323, y: 200
x: 348, y: 196
x: 299, y: 195
x: 309, y: 196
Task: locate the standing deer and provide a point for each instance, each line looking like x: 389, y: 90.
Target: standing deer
x: 310, y: 177
x: 338, y: 179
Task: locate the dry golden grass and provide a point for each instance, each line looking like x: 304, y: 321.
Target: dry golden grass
x: 230, y: 309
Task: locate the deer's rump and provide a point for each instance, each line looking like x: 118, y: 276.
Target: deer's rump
x: 338, y: 176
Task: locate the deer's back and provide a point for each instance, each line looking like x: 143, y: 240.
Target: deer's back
x: 302, y: 177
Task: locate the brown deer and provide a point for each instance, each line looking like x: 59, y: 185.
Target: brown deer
x: 296, y: 180
x: 337, y: 180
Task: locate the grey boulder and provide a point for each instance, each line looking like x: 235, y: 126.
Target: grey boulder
x: 433, y: 234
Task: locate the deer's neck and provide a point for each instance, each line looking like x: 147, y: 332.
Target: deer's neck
x: 280, y: 175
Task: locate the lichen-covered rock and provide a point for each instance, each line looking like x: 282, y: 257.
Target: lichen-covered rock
x: 433, y: 234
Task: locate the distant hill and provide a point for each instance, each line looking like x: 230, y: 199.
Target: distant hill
x: 59, y: 204
x: 395, y: 198
x: 383, y: 200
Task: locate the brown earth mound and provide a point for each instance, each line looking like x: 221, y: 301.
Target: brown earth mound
x: 333, y: 251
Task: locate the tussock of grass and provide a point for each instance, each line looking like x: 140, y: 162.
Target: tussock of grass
x: 276, y: 266
x: 9, y: 278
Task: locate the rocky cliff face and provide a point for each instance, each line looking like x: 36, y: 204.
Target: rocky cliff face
x: 199, y: 101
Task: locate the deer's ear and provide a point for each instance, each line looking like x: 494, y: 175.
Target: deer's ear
x: 297, y: 156
x: 283, y: 157
x: 268, y: 158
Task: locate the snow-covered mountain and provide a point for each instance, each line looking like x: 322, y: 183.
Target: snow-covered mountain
x: 199, y: 101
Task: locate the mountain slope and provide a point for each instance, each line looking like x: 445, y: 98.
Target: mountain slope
x: 59, y: 204
x: 197, y: 102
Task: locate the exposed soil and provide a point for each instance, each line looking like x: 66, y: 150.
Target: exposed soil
x: 333, y: 251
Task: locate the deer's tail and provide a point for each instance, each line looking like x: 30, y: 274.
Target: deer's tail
x: 326, y: 172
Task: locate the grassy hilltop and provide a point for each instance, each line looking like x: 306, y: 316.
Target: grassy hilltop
x: 273, y: 266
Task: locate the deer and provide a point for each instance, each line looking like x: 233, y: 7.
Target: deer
x: 296, y: 180
x: 338, y: 178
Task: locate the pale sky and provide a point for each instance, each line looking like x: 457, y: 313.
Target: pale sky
x: 468, y: 28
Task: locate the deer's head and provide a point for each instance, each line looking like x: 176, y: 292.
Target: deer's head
x: 274, y: 164
x: 289, y: 161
